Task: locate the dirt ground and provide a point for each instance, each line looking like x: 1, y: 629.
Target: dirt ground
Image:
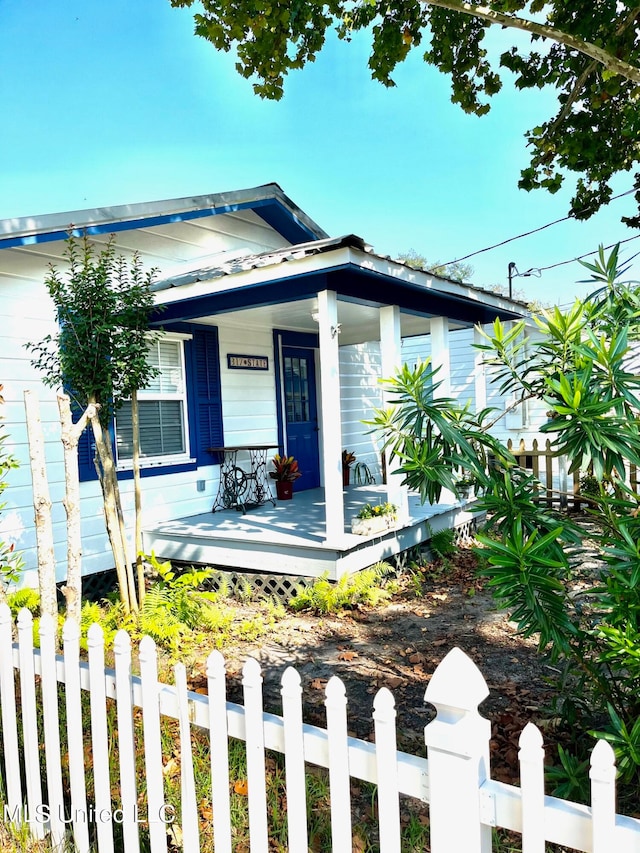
x: 399, y: 645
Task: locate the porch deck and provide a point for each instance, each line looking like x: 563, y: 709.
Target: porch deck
x: 290, y: 538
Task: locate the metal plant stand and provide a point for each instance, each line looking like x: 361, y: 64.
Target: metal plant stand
x: 243, y: 487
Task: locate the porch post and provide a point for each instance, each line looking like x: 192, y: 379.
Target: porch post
x: 480, y: 373
x: 440, y: 354
x: 391, y: 360
x: 330, y: 414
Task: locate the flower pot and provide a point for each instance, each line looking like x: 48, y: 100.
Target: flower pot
x: 371, y: 526
x: 284, y: 490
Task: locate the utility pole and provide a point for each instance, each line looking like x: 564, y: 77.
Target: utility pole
x: 511, y: 270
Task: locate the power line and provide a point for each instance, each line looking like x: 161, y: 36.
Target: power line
x: 527, y: 234
x: 540, y: 270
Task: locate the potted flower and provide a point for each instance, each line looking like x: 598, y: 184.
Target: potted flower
x: 348, y: 458
x: 465, y: 486
x: 374, y: 519
x: 285, y: 473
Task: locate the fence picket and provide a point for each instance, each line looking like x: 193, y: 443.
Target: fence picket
x: 531, y: 757
x: 339, y: 777
x: 51, y: 726
x: 188, y: 804
x: 9, y: 728
x: 603, y: 796
x: 126, y: 742
x: 156, y: 811
x: 384, y: 717
x: 75, y: 742
x: 219, y: 736
x: 458, y: 753
x: 291, y: 691
x: 252, y: 689
x: 99, y: 739
x: 464, y: 803
x: 30, y: 723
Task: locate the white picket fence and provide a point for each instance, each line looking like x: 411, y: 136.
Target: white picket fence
x: 464, y: 802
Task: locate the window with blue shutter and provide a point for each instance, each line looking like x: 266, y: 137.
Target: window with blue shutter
x: 180, y: 412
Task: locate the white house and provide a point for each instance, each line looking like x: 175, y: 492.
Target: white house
x: 274, y: 337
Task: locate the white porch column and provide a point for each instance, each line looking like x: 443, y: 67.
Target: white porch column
x: 480, y: 373
x: 330, y: 414
x: 440, y: 354
x: 391, y: 358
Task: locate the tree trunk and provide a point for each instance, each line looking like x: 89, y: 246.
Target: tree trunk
x: 137, y: 492
x: 109, y: 483
x: 42, y: 507
x: 71, y: 433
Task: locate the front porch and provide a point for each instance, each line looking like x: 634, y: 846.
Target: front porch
x: 290, y: 538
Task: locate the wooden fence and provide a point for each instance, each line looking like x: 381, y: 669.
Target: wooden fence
x: 550, y: 468
x: 464, y: 802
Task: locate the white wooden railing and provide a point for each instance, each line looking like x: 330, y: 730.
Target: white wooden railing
x: 464, y: 802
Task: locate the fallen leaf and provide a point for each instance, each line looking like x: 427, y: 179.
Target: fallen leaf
x: 206, y: 812
x: 241, y: 786
x: 171, y: 768
x: 347, y: 655
x: 318, y: 684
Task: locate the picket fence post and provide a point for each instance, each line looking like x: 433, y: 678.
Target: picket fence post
x: 9, y: 718
x: 126, y: 741
x: 51, y: 728
x: 458, y: 753
x: 75, y: 737
x: 30, y: 722
x: 219, y: 740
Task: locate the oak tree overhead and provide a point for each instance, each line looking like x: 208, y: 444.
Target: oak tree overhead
x: 588, y: 52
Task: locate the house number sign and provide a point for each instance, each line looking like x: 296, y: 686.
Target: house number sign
x: 247, y: 362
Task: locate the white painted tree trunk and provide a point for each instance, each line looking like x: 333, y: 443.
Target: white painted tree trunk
x: 42, y: 507
x: 71, y: 433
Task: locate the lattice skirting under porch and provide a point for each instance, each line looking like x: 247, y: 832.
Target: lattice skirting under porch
x: 255, y: 585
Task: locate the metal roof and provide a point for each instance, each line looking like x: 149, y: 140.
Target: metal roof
x: 344, y: 264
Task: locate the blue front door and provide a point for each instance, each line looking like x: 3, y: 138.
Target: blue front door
x: 302, y: 414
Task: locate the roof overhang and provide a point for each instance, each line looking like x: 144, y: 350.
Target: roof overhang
x: 343, y: 265
x: 267, y: 201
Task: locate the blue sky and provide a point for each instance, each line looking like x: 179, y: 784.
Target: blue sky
x: 118, y: 102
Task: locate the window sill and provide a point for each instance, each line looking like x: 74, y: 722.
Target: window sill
x: 157, y: 468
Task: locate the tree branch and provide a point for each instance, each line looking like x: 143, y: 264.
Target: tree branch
x: 599, y: 54
x: 582, y: 79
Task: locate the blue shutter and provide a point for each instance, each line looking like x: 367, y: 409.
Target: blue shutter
x: 86, y: 453
x: 204, y: 392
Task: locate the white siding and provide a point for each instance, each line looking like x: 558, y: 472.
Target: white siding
x: 28, y: 316
x: 360, y: 393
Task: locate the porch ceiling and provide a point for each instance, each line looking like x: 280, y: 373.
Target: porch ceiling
x: 359, y: 323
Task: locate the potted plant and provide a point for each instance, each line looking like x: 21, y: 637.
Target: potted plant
x: 348, y: 458
x: 285, y: 473
x: 374, y: 519
x: 465, y: 486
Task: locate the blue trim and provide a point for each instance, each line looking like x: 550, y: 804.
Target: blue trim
x: 273, y: 212
x: 286, y: 223
x: 277, y: 340
x: 351, y: 282
x: 307, y: 340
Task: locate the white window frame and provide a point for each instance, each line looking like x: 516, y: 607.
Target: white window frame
x: 146, y: 394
